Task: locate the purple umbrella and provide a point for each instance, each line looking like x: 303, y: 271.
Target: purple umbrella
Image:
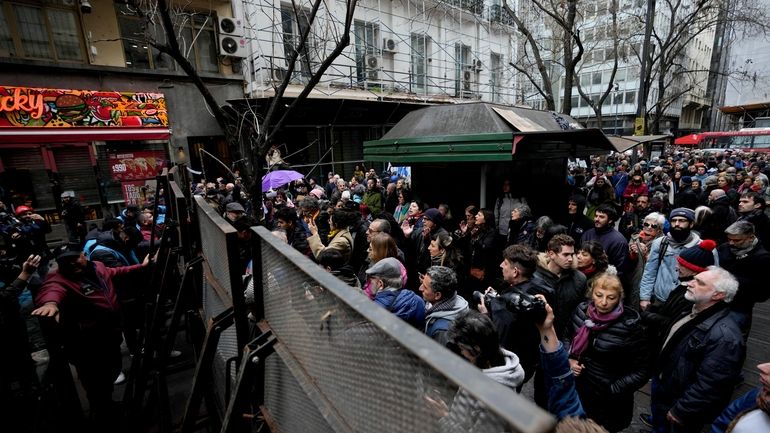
x: 279, y: 178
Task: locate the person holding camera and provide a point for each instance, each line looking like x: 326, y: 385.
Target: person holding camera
x: 608, y: 354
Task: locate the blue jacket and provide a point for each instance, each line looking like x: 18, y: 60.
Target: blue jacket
x: 563, y: 399
x: 746, y: 402
x: 404, y: 304
x: 614, y: 243
x: 660, y: 278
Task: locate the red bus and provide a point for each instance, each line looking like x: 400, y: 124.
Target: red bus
x: 746, y: 140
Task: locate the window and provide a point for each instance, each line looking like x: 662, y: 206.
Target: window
x: 462, y: 65
x: 585, y: 80
x: 620, y: 75
x: 47, y: 30
x: 496, y: 76
x: 366, y: 36
x: 419, y: 60
x: 630, y: 97
x: 293, y: 26
x: 597, y: 78
x: 139, y: 54
x: 575, y: 102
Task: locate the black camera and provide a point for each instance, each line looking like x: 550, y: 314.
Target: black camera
x: 516, y: 302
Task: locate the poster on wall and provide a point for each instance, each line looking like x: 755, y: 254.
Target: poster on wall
x: 145, y: 164
x: 35, y: 107
x: 139, y: 192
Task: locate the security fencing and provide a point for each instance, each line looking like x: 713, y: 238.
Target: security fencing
x: 322, y: 357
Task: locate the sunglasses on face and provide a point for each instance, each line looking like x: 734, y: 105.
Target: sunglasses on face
x: 654, y: 226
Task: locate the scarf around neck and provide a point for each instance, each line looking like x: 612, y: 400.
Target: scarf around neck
x: 596, y: 322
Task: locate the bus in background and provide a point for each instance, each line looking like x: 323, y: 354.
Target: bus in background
x: 745, y: 140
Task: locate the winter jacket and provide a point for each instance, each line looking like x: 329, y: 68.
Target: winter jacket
x: 738, y: 408
x: 616, y: 365
x: 373, y: 200
x: 563, y: 399
x: 110, y: 252
x: 298, y: 239
x: 661, y: 277
x: 569, y: 291
x: 659, y: 317
x: 438, y: 322
x: 404, y: 304
x: 761, y: 225
x: 516, y: 330
x: 699, y: 367
x: 85, y: 303
x: 504, y: 205
x: 578, y: 224
x: 521, y: 232
x: 615, y: 245
x: 751, y: 272
x: 483, y: 253
x: 722, y: 215
x: 342, y: 242
x: 466, y: 414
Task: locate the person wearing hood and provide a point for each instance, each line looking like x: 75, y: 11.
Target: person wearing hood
x: 745, y: 257
x: 387, y: 286
x: 442, y: 303
x: 473, y: 337
x: 576, y: 221
x: 608, y: 354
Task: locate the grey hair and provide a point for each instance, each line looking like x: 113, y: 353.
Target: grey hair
x: 309, y: 202
x: 443, y: 280
x: 383, y: 224
x: 701, y: 213
x: 397, y: 282
x: 724, y: 283
x: 544, y: 222
x: 740, y: 228
x: 524, y: 211
x: 657, y: 217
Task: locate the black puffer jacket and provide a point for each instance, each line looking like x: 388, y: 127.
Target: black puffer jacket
x: 616, y: 365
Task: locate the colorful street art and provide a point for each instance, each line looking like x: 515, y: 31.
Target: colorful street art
x: 61, y: 108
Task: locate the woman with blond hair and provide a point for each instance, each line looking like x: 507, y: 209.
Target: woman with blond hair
x: 608, y: 354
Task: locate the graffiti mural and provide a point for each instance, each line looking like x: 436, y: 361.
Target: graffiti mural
x: 61, y: 108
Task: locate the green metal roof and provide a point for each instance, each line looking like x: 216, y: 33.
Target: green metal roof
x: 454, y: 148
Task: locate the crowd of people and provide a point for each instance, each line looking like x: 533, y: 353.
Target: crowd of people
x: 651, y: 273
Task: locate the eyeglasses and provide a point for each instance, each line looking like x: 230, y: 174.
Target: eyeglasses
x: 654, y: 226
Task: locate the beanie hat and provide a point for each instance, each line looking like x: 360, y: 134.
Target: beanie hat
x: 699, y: 257
x: 683, y: 212
x: 687, y: 179
x: 434, y: 215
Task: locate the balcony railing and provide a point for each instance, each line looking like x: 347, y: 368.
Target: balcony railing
x: 498, y: 14
x: 475, y: 7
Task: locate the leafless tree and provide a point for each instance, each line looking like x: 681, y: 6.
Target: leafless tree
x: 247, y: 134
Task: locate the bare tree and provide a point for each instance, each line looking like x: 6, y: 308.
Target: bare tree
x: 679, y: 23
x: 611, y: 85
x: 247, y: 134
x: 564, y: 49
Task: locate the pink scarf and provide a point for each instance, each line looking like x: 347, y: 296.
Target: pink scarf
x: 596, y: 322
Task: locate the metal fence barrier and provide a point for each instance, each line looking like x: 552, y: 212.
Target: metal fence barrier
x: 343, y: 364
x: 222, y: 290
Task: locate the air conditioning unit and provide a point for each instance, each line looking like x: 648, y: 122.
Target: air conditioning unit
x: 477, y: 65
x: 373, y: 62
x: 230, y: 35
x: 278, y: 74
x: 373, y: 75
x: 389, y: 45
x: 467, y: 75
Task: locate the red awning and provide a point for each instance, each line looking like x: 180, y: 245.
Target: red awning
x: 64, y: 135
x: 688, y: 140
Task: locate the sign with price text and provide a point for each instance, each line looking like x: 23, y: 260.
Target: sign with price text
x: 137, y: 165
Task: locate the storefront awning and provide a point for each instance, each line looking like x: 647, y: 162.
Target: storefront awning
x: 69, y: 135
x: 627, y: 142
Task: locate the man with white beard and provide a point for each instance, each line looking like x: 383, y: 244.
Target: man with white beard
x: 701, y: 358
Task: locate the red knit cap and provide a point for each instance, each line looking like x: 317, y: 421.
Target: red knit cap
x: 699, y: 257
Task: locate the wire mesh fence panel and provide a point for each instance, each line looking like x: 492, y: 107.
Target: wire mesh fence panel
x: 363, y: 368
